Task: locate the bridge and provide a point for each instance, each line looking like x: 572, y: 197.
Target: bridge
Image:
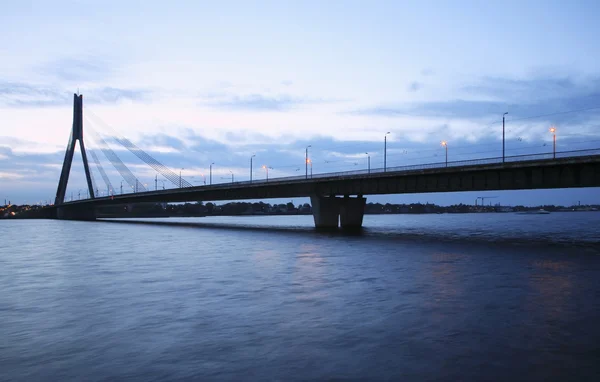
x: 336, y: 198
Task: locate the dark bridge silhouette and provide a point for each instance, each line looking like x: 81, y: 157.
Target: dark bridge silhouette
x: 338, y: 198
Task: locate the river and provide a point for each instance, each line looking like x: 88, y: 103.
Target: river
x: 413, y: 297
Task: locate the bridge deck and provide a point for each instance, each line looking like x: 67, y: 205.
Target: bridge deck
x: 529, y: 172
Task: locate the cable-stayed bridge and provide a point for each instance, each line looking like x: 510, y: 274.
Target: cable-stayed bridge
x: 337, y: 198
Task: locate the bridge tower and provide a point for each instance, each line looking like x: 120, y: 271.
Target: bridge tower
x: 76, y: 135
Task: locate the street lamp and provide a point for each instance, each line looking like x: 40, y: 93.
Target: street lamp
x: 369, y: 163
x: 210, y: 173
x: 553, y: 131
x: 385, y: 151
x: 267, y: 170
x: 445, y: 144
x: 253, y: 155
x: 503, y: 141
x: 231, y: 176
x: 180, y: 182
x: 121, y: 187
x: 306, y: 161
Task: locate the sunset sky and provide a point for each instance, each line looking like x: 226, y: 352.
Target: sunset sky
x: 195, y: 82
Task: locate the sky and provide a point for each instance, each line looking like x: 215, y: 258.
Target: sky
x: 194, y: 83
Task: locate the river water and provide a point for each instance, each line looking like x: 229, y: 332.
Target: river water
x: 431, y: 297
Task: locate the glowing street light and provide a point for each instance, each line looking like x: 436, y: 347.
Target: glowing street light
x: 306, y: 161
x: 385, y: 151
x: 445, y: 144
x: 267, y: 170
x: 553, y: 131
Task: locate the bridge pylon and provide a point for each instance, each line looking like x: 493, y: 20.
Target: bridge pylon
x: 76, y: 135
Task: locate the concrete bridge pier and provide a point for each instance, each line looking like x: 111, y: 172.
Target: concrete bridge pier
x: 329, y: 212
x: 352, y: 211
x: 326, y: 212
x: 76, y: 213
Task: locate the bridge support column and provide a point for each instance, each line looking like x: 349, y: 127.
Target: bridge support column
x: 326, y: 212
x: 352, y: 211
x: 70, y: 213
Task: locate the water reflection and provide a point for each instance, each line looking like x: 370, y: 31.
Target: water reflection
x: 551, y: 287
x: 307, y: 274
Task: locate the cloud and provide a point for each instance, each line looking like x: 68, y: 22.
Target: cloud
x: 114, y: 95
x: 78, y: 70
x: 161, y: 140
x: 427, y: 72
x: 415, y: 86
x: 490, y: 97
x: 537, y: 88
x: 258, y: 102
x: 14, y: 94
x: 20, y: 94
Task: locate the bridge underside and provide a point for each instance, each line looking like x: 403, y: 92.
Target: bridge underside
x: 541, y: 174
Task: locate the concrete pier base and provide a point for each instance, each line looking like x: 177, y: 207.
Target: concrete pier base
x: 329, y: 212
x: 326, y: 212
x: 352, y: 211
x: 76, y: 213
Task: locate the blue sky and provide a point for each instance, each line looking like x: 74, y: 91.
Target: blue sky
x: 195, y: 82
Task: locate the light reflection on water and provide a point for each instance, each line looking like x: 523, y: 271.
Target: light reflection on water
x: 273, y: 300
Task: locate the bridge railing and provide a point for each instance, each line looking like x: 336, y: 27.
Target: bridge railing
x: 426, y: 166
x: 397, y: 169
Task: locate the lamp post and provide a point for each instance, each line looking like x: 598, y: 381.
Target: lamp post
x: 231, y: 176
x: 445, y: 144
x: 121, y: 187
x: 553, y: 131
x: 210, y: 174
x: 503, y: 141
x: 368, y: 163
x: 267, y: 170
x: 180, y: 182
x: 156, y: 182
x: 385, y: 151
x: 306, y: 161
x: 253, y: 155
x: 79, y: 195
